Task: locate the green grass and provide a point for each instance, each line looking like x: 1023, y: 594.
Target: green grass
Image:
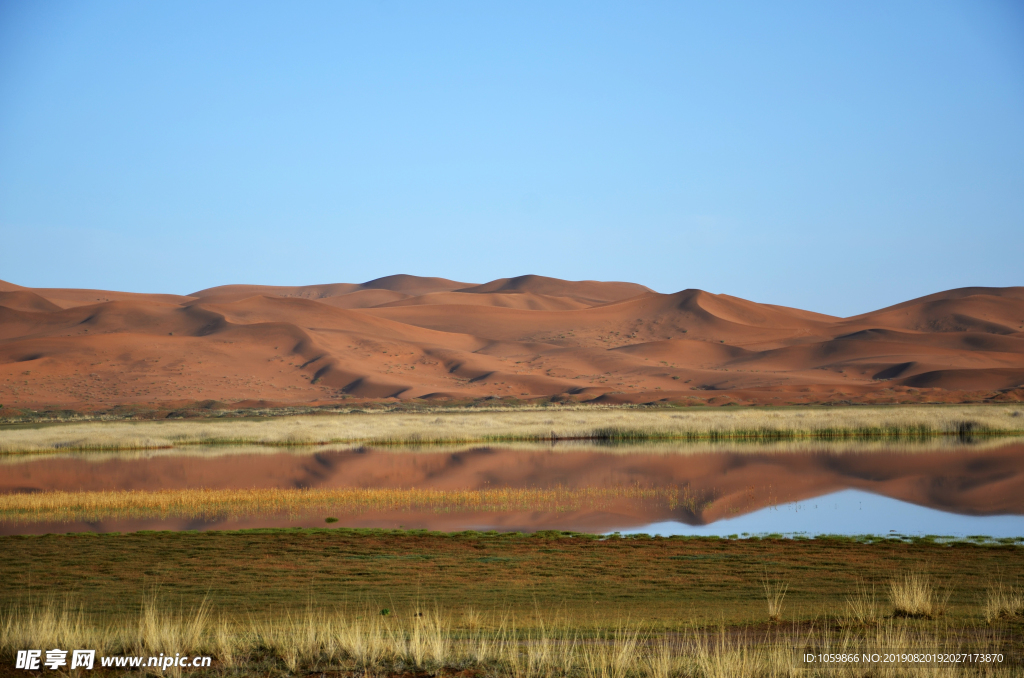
x: 666, y: 582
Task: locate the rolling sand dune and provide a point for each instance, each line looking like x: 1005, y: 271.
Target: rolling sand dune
x: 402, y: 284
x: 522, y: 300
x: 589, y: 292
x: 23, y: 300
x: 68, y: 298
x: 527, y: 337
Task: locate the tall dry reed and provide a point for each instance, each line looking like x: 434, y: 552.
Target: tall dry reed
x: 331, y: 641
x: 60, y: 506
x: 912, y: 594
x: 592, y: 423
x: 862, y: 606
x: 1003, y: 602
x: 774, y: 594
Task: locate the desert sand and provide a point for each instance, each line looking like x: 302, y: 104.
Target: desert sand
x: 527, y: 338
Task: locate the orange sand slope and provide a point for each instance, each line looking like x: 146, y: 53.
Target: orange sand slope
x: 529, y: 337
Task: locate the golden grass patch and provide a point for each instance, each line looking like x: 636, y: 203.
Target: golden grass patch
x: 912, y: 594
x: 60, y: 506
x: 319, y: 640
x: 604, y: 424
x: 1003, y: 602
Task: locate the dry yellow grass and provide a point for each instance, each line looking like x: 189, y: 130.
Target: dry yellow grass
x: 913, y: 595
x: 774, y: 595
x: 1003, y: 602
x: 862, y: 606
x: 205, y: 504
x: 611, y: 424
x: 661, y: 447
x: 319, y: 640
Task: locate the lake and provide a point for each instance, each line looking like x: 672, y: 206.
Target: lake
x: 939, y: 486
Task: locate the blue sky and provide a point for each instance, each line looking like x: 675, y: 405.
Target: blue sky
x: 836, y: 156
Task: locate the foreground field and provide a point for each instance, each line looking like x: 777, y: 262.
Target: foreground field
x: 533, y: 424
x: 285, y: 602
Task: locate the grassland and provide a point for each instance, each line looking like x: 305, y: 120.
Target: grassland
x: 548, y: 604
x: 537, y: 424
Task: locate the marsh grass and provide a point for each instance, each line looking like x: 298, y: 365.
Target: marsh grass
x: 222, y: 635
x: 60, y: 506
x: 317, y: 640
x: 54, y: 624
x: 774, y: 594
x: 667, y: 447
x: 364, y: 640
x: 913, y: 595
x: 862, y: 606
x: 1003, y: 602
x: 278, y: 622
x: 607, y: 424
x: 726, y: 656
x: 663, y: 658
x: 471, y: 618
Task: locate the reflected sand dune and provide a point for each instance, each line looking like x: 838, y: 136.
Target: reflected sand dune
x: 981, y: 480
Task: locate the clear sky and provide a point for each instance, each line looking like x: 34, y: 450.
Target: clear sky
x: 835, y: 156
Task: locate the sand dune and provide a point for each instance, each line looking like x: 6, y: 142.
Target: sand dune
x: 23, y: 300
x: 527, y: 337
x: 587, y: 291
x: 981, y: 309
x: 522, y: 300
x: 68, y: 298
x: 403, y: 284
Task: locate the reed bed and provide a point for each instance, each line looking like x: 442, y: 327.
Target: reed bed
x: 540, y: 424
x: 919, y: 445
x: 431, y: 641
x: 60, y: 506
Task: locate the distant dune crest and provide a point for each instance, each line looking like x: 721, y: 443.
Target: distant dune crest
x: 526, y: 337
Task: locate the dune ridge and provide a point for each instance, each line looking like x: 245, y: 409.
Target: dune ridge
x: 526, y: 338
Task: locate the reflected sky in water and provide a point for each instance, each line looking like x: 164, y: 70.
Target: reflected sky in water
x: 849, y: 512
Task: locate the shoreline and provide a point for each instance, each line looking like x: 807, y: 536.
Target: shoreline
x: 605, y: 425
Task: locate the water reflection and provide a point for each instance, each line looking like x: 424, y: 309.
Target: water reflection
x: 938, y: 486
x: 849, y: 512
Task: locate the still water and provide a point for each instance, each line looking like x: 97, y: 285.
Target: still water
x: 939, y: 487
x: 848, y: 512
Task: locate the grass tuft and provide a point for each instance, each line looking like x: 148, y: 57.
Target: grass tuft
x: 862, y: 607
x: 774, y: 594
x: 1003, y: 602
x: 912, y: 595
